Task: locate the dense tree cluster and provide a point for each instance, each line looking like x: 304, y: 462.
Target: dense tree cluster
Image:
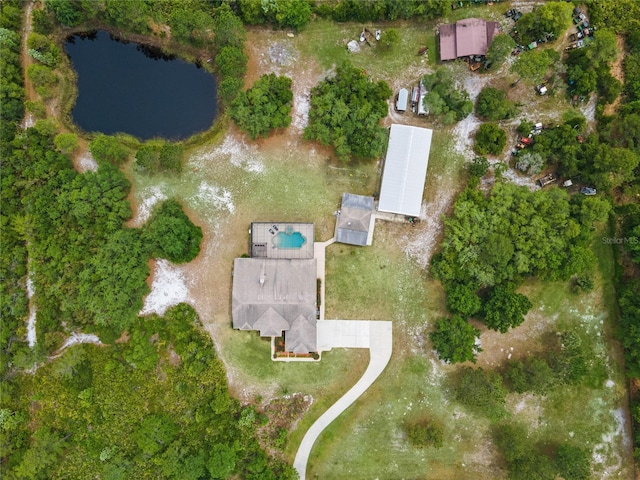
x: 513, y: 233
x: 170, y: 233
x: 493, y: 104
x: 345, y: 112
x: 526, y: 459
x: 153, y: 406
x: 13, y: 261
x: 588, y: 69
x: 490, y: 139
x: 11, y: 88
x: 377, y: 10
x: 294, y: 14
x: 550, y: 17
x: 491, y: 244
x: 264, y: 107
x: 445, y: 99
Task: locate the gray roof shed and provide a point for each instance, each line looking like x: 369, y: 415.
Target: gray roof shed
x: 405, y: 170
x: 355, y: 222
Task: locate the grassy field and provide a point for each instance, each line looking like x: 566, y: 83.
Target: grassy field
x: 230, y: 182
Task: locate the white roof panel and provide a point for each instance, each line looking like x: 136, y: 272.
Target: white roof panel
x: 405, y: 170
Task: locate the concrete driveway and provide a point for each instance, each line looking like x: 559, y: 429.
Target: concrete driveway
x: 377, y: 335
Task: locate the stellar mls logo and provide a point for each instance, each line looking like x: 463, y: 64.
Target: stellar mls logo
x: 621, y: 240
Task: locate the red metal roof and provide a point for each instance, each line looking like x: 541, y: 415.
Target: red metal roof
x: 471, y: 36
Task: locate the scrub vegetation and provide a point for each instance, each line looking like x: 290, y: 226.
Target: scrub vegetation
x: 528, y: 286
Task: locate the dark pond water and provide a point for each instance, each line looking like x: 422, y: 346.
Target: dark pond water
x: 131, y: 88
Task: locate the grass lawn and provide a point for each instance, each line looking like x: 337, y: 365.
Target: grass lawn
x: 228, y: 183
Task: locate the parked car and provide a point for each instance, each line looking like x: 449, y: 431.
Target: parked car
x: 588, y: 191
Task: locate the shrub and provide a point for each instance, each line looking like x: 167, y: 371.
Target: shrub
x: 424, y: 433
x: 171, y: 234
x: 490, y: 139
x: 66, y: 142
x: 455, y: 340
x: 105, y: 148
x: 492, y: 104
x: 481, y: 391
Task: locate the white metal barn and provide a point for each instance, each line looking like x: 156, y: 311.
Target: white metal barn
x: 405, y: 170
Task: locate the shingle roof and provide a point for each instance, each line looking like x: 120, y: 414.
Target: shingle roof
x: 354, y: 220
x: 269, y: 295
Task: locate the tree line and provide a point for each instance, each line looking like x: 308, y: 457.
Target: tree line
x: 155, y: 406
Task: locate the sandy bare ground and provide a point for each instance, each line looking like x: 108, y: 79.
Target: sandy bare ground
x: 617, y: 71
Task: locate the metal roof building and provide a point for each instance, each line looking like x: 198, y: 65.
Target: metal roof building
x: 405, y: 170
x: 471, y: 36
x: 355, y: 222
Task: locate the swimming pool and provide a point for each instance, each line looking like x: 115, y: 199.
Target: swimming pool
x: 289, y: 240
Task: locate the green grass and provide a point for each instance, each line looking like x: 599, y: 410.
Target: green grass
x: 326, y: 42
x: 296, y: 182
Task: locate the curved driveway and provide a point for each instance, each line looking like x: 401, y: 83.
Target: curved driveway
x: 380, y: 347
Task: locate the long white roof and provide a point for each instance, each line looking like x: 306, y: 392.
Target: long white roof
x: 405, y: 170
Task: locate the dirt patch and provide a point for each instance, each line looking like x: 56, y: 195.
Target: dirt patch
x: 168, y: 288
x: 617, y: 72
x: 517, y: 343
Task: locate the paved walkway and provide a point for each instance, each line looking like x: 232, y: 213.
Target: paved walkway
x: 319, y: 254
x: 348, y: 333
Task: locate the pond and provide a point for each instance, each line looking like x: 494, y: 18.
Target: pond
x: 135, y: 89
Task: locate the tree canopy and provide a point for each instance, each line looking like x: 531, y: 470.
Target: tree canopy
x: 455, y: 340
x: 345, y: 112
x: 171, y: 234
x: 264, y: 107
x: 550, y: 17
x: 490, y: 139
x: 445, y: 99
x: 492, y: 104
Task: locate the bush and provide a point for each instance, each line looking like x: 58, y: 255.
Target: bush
x: 530, y: 163
x: 455, y: 340
x: 105, y: 148
x: 490, y: 139
x: 160, y: 157
x: 264, y: 107
x: 171, y: 234
x: 492, y: 104
x: 424, y: 433
x: 531, y: 375
x: 481, y: 391
x: 66, y: 142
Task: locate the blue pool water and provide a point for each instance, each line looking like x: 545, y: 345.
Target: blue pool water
x: 289, y: 240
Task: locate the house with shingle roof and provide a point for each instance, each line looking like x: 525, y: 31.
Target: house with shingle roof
x: 356, y: 220
x: 275, y: 291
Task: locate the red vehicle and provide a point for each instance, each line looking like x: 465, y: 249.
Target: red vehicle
x: 526, y: 140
